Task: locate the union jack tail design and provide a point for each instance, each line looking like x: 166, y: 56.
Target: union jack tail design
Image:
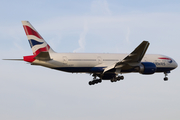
x: 37, y: 43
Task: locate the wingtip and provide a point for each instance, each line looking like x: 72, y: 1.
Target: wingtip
x: 146, y: 41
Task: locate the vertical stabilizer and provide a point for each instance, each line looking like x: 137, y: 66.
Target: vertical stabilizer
x: 37, y: 43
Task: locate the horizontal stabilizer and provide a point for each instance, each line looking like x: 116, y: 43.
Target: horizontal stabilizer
x: 14, y: 59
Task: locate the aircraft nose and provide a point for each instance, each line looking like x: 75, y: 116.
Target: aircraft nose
x: 175, y: 64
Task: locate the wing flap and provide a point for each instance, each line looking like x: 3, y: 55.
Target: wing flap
x: 108, y: 68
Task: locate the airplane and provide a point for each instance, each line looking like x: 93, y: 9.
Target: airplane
x: 101, y: 66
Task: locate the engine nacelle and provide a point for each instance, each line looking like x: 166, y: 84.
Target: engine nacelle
x: 147, y: 68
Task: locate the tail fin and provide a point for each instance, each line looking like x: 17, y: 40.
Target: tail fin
x: 37, y: 43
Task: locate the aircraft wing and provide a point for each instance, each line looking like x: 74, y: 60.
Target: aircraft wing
x: 133, y: 59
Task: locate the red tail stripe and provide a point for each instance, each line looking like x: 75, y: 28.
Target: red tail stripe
x: 44, y: 49
x: 29, y: 58
x: 30, y: 31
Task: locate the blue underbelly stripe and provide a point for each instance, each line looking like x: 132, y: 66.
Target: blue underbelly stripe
x: 101, y: 69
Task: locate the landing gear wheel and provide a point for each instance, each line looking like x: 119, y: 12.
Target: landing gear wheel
x: 118, y: 78
x: 99, y: 80
x: 166, y: 79
x: 96, y: 81
x: 90, y: 83
x: 114, y: 79
x: 122, y: 77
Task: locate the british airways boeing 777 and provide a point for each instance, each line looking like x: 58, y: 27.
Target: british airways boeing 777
x: 100, y: 66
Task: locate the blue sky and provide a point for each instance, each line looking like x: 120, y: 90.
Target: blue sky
x: 92, y: 26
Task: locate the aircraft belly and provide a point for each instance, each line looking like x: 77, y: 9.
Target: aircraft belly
x: 81, y: 69
x: 164, y: 69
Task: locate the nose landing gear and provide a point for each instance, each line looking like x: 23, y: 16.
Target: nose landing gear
x: 166, y: 74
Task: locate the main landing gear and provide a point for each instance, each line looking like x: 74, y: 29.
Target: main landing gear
x: 115, y: 79
x: 95, y: 81
x: 166, y: 74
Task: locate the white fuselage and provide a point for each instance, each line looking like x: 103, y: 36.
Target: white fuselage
x: 83, y: 62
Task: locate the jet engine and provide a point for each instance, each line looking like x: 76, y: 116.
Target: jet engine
x: 147, y: 68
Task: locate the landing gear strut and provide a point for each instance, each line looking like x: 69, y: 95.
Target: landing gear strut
x: 166, y: 74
